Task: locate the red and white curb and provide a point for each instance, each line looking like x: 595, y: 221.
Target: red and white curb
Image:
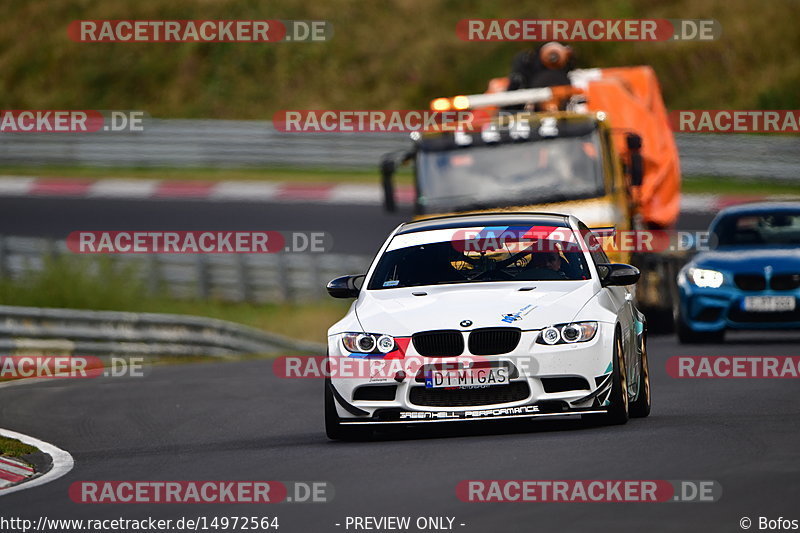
x: 265, y: 191
x: 13, y: 471
x: 13, y: 475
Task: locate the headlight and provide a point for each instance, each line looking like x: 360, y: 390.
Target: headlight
x: 368, y: 343
x: 705, y: 278
x: 568, y: 333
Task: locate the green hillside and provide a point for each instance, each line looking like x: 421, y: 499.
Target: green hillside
x: 384, y: 54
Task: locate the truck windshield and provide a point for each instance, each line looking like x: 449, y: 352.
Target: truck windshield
x: 509, y: 174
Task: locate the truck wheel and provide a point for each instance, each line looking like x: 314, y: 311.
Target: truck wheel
x: 640, y: 407
x: 333, y: 426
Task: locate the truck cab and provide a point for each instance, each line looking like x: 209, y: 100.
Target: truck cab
x: 562, y: 162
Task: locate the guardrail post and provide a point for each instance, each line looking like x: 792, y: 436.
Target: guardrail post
x: 50, y: 250
x: 243, y: 279
x: 152, y: 273
x: 317, y: 290
x: 2, y: 256
x: 203, y: 282
x: 284, y: 278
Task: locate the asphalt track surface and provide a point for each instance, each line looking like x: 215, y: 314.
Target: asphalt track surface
x: 355, y: 230
x: 236, y: 420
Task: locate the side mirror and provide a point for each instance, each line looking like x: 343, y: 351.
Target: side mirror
x: 636, y: 164
x: 345, y: 286
x: 388, y: 167
x: 617, y: 274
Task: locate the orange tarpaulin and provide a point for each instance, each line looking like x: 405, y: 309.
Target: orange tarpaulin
x: 631, y: 97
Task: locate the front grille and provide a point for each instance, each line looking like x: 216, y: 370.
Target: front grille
x: 564, y: 384
x: 493, y: 341
x: 439, y: 343
x: 739, y: 315
x: 750, y: 282
x: 785, y: 282
x: 376, y: 393
x: 709, y: 314
x: 513, y: 392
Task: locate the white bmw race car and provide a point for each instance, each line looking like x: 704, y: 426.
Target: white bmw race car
x: 487, y: 316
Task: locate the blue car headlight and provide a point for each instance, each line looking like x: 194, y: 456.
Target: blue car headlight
x: 705, y: 278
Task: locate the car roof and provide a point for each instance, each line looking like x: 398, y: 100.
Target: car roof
x: 760, y: 208
x: 486, y: 219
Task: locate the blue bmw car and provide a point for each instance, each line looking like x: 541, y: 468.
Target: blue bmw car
x: 750, y: 277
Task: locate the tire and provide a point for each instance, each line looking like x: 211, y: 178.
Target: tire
x: 640, y: 407
x: 687, y: 335
x: 618, y: 413
x: 333, y: 426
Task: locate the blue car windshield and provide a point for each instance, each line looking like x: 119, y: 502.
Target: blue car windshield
x: 771, y: 229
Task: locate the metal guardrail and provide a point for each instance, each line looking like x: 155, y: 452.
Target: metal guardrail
x: 228, y: 143
x: 229, y: 277
x: 110, y: 333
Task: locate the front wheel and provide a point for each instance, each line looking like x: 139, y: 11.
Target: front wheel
x: 618, y: 413
x: 333, y: 426
x: 687, y: 335
x: 640, y: 407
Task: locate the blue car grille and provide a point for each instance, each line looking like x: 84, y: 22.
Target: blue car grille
x: 750, y: 282
x: 757, y: 282
x: 785, y: 282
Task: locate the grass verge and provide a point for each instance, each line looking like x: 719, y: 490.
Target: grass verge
x: 717, y: 185
x: 15, y: 448
x: 90, y: 283
x: 371, y: 177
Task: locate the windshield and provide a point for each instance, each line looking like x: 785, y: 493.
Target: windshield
x: 514, y: 173
x: 467, y: 255
x: 755, y: 229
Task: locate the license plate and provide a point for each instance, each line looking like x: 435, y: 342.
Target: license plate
x: 769, y: 303
x: 466, y: 378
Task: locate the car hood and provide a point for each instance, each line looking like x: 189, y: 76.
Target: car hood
x: 398, y: 312
x: 751, y: 259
